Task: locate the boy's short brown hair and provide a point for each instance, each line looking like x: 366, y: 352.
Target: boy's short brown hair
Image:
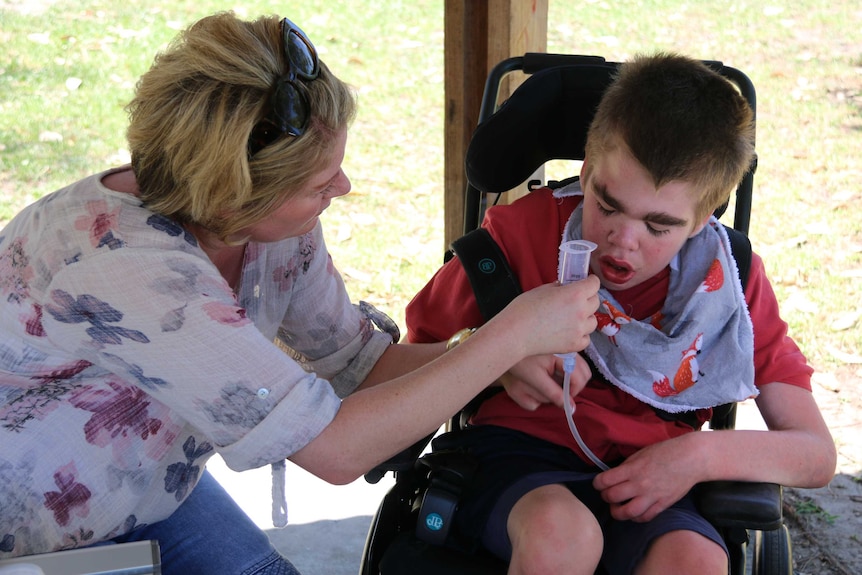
x: 680, y: 120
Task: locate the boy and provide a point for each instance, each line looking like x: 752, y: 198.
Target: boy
x: 669, y: 142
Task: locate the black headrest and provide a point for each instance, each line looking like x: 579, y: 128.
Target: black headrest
x: 546, y: 118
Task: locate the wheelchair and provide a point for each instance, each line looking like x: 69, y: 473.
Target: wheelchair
x: 546, y: 118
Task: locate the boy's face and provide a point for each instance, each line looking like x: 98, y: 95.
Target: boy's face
x: 637, y: 228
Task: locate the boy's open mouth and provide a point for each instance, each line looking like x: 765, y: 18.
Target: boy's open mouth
x: 615, y: 271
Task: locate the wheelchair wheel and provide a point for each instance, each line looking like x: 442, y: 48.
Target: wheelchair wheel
x: 773, y: 552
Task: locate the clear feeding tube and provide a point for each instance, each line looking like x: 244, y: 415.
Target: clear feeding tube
x: 574, y: 266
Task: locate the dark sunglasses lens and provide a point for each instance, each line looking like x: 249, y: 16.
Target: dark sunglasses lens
x: 303, y: 58
x: 262, y: 135
x: 291, y: 108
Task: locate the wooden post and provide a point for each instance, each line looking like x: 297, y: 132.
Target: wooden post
x: 478, y: 34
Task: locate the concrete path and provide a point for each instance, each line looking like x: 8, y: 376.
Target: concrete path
x: 327, y: 524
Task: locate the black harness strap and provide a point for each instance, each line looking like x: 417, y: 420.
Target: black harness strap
x: 740, y: 247
x: 493, y: 281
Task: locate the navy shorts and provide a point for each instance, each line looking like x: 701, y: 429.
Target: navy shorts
x: 511, y: 463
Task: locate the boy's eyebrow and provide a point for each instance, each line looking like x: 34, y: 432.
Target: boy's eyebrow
x: 660, y: 218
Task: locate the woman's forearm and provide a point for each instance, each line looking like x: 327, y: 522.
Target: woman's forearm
x: 381, y: 419
x: 400, y: 359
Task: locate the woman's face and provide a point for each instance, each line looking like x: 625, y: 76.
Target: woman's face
x: 638, y: 228
x: 299, y: 214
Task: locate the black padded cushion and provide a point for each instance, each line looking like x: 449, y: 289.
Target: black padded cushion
x: 547, y: 117
x: 407, y: 554
x: 741, y: 504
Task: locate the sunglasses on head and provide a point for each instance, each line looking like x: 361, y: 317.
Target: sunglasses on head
x: 289, y: 109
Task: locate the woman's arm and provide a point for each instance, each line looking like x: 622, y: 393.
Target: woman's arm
x: 381, y: 420
x: 400, y: 359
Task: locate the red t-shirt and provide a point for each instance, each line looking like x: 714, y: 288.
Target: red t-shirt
x: 612, y: 423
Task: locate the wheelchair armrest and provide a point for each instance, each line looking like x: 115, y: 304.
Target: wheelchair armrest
x: 402, y: 461
x: 743, y: 504
x: 449, y: 469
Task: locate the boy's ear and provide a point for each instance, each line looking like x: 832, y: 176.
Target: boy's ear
x: 699, y: 226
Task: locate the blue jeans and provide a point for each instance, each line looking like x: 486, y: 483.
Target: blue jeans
x: 210, y: 535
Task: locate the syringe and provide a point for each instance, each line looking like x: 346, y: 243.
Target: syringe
x: 574, y: 266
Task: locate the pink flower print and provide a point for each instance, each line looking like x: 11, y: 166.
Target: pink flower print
x: 283, y: 278
x: 227, y: 314
x: 33, y: 322
x: 98, y: 222
x: 299, y: 264
x: 72, y: 497
x: 307, y: 249
x: 67, y: 372
x: 119, y: 415
x: 35, y: 402
x: 15, y: 271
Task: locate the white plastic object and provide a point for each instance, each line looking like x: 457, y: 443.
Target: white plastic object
x: 575, y: 260
x: 574, y: 265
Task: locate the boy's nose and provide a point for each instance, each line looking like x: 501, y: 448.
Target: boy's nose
x: 624, y: 236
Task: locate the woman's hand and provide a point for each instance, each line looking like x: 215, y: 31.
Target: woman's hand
x: 554, y: 318
x: 538, y: 379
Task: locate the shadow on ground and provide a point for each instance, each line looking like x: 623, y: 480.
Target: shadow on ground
x: 826, y: 527
x: 330, y: 547
x: 826, y: 523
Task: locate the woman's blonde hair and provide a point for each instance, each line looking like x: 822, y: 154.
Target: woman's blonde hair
x: 681, y: 121
x: 193, y: 112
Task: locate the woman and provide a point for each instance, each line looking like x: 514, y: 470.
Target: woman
x: 157, y: 313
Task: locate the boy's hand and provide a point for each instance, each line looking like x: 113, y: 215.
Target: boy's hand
x: 538, y: 379
x: 648, y: 482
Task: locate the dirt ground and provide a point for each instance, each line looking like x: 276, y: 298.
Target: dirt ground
x: 826, y: 524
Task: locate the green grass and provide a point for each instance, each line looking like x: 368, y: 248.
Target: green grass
x: 806, y: 507
x: 68, y: 67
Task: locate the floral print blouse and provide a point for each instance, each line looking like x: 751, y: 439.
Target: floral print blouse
x: 126, y: 361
